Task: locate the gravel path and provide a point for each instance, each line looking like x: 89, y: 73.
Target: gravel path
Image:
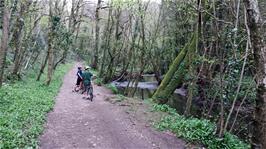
x: 79, y: 123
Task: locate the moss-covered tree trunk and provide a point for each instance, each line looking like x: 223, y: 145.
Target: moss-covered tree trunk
x: 173, y: 68
x: 259, y: 47
x: 192, y: 57
x: 175, y: 74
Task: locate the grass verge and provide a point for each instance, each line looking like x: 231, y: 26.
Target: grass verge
x: 23, y: 108
x: 196, y: 130
x: 112, y: 87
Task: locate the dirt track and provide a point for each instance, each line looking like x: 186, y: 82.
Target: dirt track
x: 79, y: 123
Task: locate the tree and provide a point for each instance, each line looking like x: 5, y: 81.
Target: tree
x: 18, y: 36
x: 97, y: 30
x: 254, y: 25
x: 53, y: 22
x: 4, y: 40
x: 175, y: 74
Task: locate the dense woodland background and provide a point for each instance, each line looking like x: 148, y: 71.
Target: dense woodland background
x: 213, y: 49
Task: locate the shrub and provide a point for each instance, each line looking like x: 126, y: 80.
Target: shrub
x: 197, y: 130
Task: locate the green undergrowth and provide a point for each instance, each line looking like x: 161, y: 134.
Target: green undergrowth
x: 112, y: 87
x: 196, y: 130
x: 94, y: 72
x: 23, y: 108
x: 98, y: 81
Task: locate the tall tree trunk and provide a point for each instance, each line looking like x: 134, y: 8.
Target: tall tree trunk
x: 221, y: 10
x: 42, y: 67
x: 4, y: 40
x: 175, y: 74
x: 71, y: 17
x: 143, y: 48
x: 71, y: 28
x: 50, y: 46
x: 112, y: 51
x: 79, y: 19
x: 73, y: 25
x: 158, y: 95
x: 17, y: 37
x: 107, y: 35
x: 97, y: 30
x: 192, y: 67
x: 254, y: 24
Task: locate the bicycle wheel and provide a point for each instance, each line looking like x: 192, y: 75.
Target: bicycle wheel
x: 90, y: 91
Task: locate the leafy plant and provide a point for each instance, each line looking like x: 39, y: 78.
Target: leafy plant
x: 23, y: 107
x: 197, y: 130
x: 98, y: 81
x: 112, y: 87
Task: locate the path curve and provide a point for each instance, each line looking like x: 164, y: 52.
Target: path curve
x: 78, y: 123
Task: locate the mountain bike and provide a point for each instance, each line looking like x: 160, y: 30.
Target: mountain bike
x: 89, y: 91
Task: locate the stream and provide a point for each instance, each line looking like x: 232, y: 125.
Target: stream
x: 148, y: 85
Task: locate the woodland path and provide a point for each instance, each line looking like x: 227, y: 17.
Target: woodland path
x: 78, y: 123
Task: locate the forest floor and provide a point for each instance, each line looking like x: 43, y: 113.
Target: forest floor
x: 104, y: 123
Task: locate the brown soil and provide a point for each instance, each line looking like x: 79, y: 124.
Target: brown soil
x: 79, y: 123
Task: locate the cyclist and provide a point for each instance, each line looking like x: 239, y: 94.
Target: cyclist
x: 87, y: 75
x: 79, y: 80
